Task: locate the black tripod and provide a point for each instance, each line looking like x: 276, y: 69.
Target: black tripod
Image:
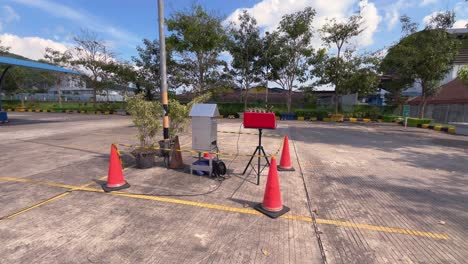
x: 261, y: 152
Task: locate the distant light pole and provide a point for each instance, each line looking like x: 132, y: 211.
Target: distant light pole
x: 162, y: 50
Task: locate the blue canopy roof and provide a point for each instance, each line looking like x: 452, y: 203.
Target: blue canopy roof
x: 34, y: 64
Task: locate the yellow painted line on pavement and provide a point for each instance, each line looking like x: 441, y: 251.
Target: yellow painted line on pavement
x: 53, y: 198
x: 220, y: 208
x: 383, y: 229
x: 35, y: 206
x: 53, y: 184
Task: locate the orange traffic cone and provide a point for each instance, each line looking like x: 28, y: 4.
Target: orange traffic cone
x: 285, y: 162
x: 272, y: 205
x: 115, y: 177
x: 176, y: 157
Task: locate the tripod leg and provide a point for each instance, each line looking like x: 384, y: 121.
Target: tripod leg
x: 250, y: 161
x: 258, y: 170
x: 266, y: 157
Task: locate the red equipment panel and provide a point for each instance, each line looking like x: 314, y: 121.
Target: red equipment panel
x: 259, y: 120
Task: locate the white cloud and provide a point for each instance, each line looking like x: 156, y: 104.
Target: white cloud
x: 268, y: 14
x: 460, y: 23
x: 371, y: 20
x: 427, y: 2
x: 391, y: 16
x: 427, y: 19
x: 80, y: 17
x: 30, y: 47
x: 392, y: 12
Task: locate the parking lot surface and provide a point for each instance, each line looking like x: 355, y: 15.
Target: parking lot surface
x: 360, y: 193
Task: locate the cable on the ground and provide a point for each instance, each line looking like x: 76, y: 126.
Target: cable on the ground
x: 163, y: 195
x: 219, y: 178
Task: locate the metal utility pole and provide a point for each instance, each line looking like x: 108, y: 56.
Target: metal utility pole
x: 267, y: 34
x: 162, y: 50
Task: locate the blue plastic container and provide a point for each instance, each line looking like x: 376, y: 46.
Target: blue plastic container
x: 3, y: 117
x: 288, y: 116
x: 201, y: 162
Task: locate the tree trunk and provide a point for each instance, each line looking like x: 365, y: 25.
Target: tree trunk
x: 94, y: 96
x: 94, y: 83
x: 422, y: 107
x: 289, y: 100
x: 337, y: 97
x: 245, y: 97
x: 201, y: 72
x: 59, y: 92
x: 22, y: 100
x: 337, y: 103
x: 422, y: 104
x: 148, y: 94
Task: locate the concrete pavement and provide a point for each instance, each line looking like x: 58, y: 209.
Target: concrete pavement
x: 361, y: 193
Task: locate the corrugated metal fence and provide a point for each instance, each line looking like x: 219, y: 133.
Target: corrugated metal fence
x: 443, y: 113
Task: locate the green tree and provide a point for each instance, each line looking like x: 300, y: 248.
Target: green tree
x: 118, y: 75
x: 198, y: 38
x: 351, y: 73
x: 442, y: 20
x: 290, y: 48
x: 407, y: 26
x: 91, y: 55
x: 62, y: 59
x: 6, y: 81
x: 424, y: 57
x: 245, y: 46
x: 148, y: 63
x: 27, y: 81
x: 341, y: 70
x: 463, y: 74
x: 148, y: 68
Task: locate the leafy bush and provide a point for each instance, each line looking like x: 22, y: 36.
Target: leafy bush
x: 179, y: 113
x: 146, y: 116
x: 10, y: 103
x: 101, y: 107
x: 390, y: 118
x: 364, y: 111
x: 414, y: 122
x: 319, y: 113
x: 226, y: 109
x: 230, y: 109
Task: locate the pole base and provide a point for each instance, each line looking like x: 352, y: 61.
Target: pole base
x: 273, y: 215
x: 285, y: 169
x: 110, y: 189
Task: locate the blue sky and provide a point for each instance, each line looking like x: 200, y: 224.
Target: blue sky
x: 28, y: 26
